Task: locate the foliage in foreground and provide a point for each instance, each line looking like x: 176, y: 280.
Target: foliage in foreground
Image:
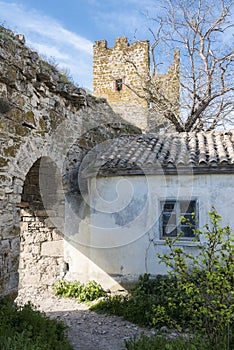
x: 197, y: 294
x: 75, y: 289
x: 206, y: 280
x: 159, y: 342
x: 27, y: 329
x: 139, y: 306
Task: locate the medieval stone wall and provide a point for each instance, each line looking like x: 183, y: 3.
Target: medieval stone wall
x: 42, y: 115
x: 130, y: 64
x: 41, y: 249
x: 125, y: 62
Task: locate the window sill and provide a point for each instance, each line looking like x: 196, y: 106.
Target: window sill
x: 181, y: 242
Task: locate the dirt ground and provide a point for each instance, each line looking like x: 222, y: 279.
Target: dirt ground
x: 87, y: 330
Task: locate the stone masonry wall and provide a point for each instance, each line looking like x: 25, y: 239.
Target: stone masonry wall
x: 41, y: 250
x: 131, y: 64
x: 42, y: 114
x: 110, y: 64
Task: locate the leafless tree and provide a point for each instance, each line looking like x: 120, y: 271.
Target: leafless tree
x: 202, y: 31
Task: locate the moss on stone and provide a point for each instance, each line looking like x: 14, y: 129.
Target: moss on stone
x: 42, y: 124
x: 11, y: 74
x: 3, y: 162
x: 55, y: 119
x: 17, y: 115
x: 20, y: 101
x: 10, y: 151
x: 21, y: 130
x: 29, y: 118
x: 4, y: 126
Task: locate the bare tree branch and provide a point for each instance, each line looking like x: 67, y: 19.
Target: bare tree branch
x: 199, y: 29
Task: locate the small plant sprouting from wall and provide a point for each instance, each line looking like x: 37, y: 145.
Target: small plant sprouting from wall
x: 50, y: 63
x: 6, y: 34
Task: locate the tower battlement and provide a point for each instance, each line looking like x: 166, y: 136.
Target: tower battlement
x: 118, y: 75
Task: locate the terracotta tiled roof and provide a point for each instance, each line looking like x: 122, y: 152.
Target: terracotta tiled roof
x: 201, y: 151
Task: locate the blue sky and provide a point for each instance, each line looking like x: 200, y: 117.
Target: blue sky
x: 64, y: 31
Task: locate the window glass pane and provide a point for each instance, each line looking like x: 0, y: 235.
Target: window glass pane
x: 190, y: 218
x: 187, y: 207
x: 187, y: 231
x: 169, y: 206
x: 169, y: 219
x: 169, y: 231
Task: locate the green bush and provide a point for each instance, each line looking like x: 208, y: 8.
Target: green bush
x: 160, y: 342
x: 206, y: 281
x: 139, y: 306
x: 75, y: 289
x: 27, y: 329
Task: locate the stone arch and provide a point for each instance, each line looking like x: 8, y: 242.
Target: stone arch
x: 29, y: 152
x: 35, y: 149
x: 41, y: 247
x: 42, y: 116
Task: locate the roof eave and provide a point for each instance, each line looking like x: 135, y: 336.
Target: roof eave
x: 182, y: 170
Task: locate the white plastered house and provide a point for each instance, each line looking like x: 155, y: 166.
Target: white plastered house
x: 137, y: 189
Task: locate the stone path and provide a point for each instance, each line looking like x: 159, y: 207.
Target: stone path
x: 87, y: 330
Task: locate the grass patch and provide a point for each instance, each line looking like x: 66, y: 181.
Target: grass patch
x: 25, y: 328
x: 159, y: 342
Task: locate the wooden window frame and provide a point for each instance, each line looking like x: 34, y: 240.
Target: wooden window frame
x: 173, y: 220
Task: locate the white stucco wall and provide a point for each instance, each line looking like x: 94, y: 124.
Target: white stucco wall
x: 119, y: 236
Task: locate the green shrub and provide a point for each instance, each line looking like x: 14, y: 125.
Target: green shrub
x: 131, y: 308
x: 206, y: 281
x: 152, y: 302
x: 25, y: 328
x: 160, y: 342
x: 84, y: 293
x: 135, y: 307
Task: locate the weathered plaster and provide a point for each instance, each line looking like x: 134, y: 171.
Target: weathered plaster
x: 125, y: 249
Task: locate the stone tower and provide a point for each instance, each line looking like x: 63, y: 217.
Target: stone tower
x: 113, y: 75
x: 118, y: 73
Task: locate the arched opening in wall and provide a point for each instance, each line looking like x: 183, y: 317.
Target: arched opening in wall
x: 42, y: 217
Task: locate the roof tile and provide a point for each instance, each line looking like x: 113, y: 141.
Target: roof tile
x: 166, y: 151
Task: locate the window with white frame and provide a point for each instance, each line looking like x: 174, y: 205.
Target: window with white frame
x: 172, y: 211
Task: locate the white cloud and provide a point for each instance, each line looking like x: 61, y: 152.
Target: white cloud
x: 49, y: 51
x: 31, y: 20
x: 50, y: 38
